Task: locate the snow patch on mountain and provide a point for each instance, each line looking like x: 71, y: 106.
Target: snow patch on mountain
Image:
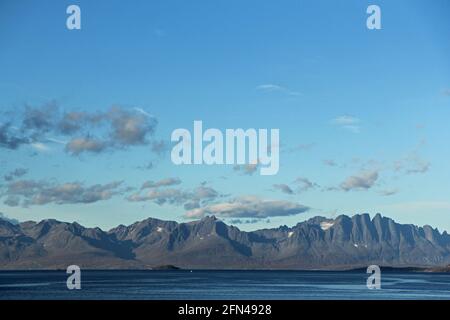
x: 325, y: 225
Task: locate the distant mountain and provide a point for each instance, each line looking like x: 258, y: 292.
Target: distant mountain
x: 318, y: 243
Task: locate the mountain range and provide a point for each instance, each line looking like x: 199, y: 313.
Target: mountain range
x: 318, y: 243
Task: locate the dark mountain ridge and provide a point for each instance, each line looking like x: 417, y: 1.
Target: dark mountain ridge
x: 318, y: 243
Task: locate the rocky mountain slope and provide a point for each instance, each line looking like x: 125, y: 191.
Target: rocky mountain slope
x: 318, y: 243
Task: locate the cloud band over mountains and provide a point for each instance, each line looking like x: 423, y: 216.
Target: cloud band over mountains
x: 248, y: 207
x: 31, y: 192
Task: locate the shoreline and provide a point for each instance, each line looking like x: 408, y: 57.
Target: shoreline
x: 174, y: 269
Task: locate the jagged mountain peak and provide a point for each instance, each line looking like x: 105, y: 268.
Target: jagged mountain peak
x: 318, y: 242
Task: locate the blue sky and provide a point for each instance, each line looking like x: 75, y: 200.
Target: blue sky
x: 363, y: 114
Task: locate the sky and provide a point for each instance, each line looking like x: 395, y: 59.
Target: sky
x: 86, y: 115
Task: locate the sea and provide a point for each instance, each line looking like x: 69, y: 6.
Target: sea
x: 222, y: 285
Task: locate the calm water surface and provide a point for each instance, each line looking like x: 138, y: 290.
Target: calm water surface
x: 226, y: 285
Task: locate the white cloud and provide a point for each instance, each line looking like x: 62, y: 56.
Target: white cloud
x: 345, y: 120
x: 38, y: 146
x: 348, y: 123
x: 277, y: 88
x: 248, y: 207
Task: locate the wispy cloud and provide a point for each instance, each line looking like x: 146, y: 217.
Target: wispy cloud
x: 16, y: 173
x: 142, y: 111
x: 412, y: 164
x: 41, y: 147
x: 304, y: 184
x: 277, y: 88
x: 330, y: 162
x: 347, y: 122
x: 247, y: 169
x: 389, y: 192
x: 77, y: 146
x: 148, y: 166
x: 160, y: 147
x: 58, y: 141
x: 161, y: 183
x: 362, y: 181
x: 176, y: 196
x: 298, y: 147
x: 10, y: 139
x: 300, y: 185
x: 283, y: 188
